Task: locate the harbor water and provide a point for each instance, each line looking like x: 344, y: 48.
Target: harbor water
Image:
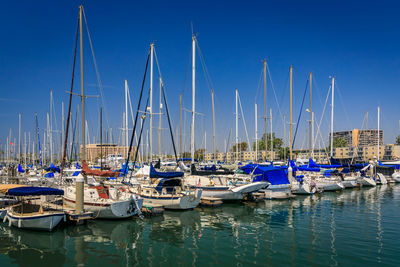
x: 357, y: 227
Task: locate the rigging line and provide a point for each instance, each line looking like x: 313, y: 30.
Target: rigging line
x: 258, y: 87
x: 359, y: 133
x: 141, y: 133
x: 322, y: 116
x: 97, y: 70
x: 205, y: 70
x: 273, y: 89
x: 133, y: 120
x: 342, y: 101
x: 244, y: 122
x: 137, y: 114
x: 169, y: 122
x: 301, y: 111
x: 70, y: 102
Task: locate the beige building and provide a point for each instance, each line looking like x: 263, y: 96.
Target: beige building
x: 360, y: 137
x: 94, y: 151
x: 241, y: 156
x: 366, y: 153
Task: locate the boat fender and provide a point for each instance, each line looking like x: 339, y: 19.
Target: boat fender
x: 9, y: 222
x: 5, y: 219
x: 65, y: 218
x: 19, y: 223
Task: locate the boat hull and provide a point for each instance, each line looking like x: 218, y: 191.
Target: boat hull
x: 367, y: 181
x: 185, y: 202
x: 115, y: 210
x: 45, y: 222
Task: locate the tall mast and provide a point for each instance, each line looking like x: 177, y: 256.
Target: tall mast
x: 79, y: 181
x: 332, y: 106
x: 126, y: 117
x: 19, y: 137
x: 51, y: 126
x: 151, y: 100
x: 310, y: 111
x: 25, y: 149
x: 272, y: 139
x: 36, y: 150
x: 378, y: 131
x: 255, y: 121
x: 101, y: 139
x: 265, y: 107
x: 237, y: 126
x: 62, y: 130
x: 193, y: 95
x: 291, y: 113
x: 366, y: 120
x: 159, y: 122
x: 213, y: 114
x: 180, y: 125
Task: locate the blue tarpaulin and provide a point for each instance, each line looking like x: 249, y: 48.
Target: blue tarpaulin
x: 156, y: 174
x: 49, y: 175
x: 76, y: 173
x: 34, y: 191
x: 20, y: 168
x: 274, y: 175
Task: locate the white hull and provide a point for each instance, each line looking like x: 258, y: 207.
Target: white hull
x: 350, y: 183
x: 175, y: 202
x: 277, y: 192
x: 102, y: 210
x: 46, y: 221
x: 365, y: 181
x: 396, y: 177
x: 381, y: 179
x: 330, y: 186
x: 303, y: 189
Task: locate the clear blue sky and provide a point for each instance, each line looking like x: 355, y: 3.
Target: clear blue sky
x: 356, y: 41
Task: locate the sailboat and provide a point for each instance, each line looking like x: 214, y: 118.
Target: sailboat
x: 104, y: 201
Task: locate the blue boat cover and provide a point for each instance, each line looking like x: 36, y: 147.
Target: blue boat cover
x: 34, y: 191
x: 271, y: 174
x: 156, y: 174
x: 212, y: 168
x: 49, y: 175
x: 20, y: 168
x: 76, y: 173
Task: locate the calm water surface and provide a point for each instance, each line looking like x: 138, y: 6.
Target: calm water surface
x: 352, y: 228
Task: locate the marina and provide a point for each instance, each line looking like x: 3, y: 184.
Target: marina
x: 207, y: 165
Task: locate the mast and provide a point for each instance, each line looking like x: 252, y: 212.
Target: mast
x: 291, y: 112
x: 51, y: 127
x: 237, y: 126
x: 101, y: 138
x: 332, y: 106
x: 213, y: 117
x: 310, y: 111
x: 151, y: 100
x: 193, y: 95
x: 180, y: 124
x: 79, y: 181
x: 265, y: 108
x: 19, y: 137
x: 378, y: 131
x: 272, y: 139
x: 62, y: 129
x: 256, y: 138
x: 159, y: 123
x: 366, y: 120
x: 36, y: 151
x: 126, y: 117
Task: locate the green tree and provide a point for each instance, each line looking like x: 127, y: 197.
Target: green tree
x: 199, y: 154
x: 277, y: 142
x: 398, y: 140
x: 242, y: 147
